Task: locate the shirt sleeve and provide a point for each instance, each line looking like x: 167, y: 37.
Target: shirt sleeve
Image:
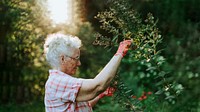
x: 65, y: 88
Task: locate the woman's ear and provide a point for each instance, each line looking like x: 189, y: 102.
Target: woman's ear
x: 62, y: 59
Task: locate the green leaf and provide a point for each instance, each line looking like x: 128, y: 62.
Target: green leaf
x: 159, y: 92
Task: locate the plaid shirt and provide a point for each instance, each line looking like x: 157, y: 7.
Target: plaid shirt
x: 60, y: 93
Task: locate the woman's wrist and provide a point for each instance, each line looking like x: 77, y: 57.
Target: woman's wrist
x: 101, y: 96
x: 119, y: 54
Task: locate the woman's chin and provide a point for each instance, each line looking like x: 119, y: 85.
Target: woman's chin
x: 73, y: 72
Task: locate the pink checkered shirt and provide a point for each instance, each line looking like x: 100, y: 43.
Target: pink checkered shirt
x: 60, y: 93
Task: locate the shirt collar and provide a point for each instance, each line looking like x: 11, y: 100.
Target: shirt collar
x: 57, y: 72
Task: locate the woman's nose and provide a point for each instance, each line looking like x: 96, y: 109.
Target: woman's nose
x: 79, y: 63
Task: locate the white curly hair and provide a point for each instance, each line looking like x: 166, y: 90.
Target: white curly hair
x: 57, y: 44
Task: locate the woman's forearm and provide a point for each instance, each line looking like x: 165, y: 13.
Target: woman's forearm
x: 108, y: 72
x: 94, y: 101
x: 106, y: 75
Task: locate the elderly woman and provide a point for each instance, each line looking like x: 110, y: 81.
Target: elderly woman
x: 63, y: 92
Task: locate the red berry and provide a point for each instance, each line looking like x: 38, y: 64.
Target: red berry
x: 144, y: 97
x: 140, y: 99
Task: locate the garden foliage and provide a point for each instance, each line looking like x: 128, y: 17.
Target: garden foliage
x: 144, y: 60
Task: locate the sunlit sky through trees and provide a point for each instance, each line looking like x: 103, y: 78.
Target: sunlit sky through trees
x: 60, y: 12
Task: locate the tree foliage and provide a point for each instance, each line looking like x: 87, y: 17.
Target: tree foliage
x: 145, y: 62
x: 23, y: 50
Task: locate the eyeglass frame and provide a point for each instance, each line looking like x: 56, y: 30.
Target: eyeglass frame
x: 77, y: 58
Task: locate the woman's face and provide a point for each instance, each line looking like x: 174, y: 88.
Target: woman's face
x: 70, y: 64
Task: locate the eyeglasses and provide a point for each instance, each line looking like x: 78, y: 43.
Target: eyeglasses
x: 76, y: 58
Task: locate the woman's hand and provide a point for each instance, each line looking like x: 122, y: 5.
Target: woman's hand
x: 123, y: 47
x: 108, y: 92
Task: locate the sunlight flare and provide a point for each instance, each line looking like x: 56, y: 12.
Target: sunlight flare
x: 60, y: 11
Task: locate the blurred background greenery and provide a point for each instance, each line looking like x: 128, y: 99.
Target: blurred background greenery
x: 24, y: 24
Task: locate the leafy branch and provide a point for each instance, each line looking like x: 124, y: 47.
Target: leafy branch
x: 122, y: 22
